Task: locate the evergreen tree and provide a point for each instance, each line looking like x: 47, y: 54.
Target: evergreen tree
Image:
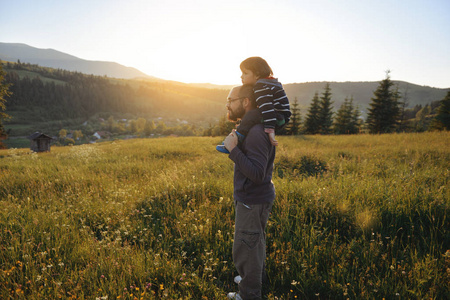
x: 347, y: 116
x: 402, y: 116
x: 4, y: 92
x: 325, y: 111
x: 442, y: 119
x: 312, y: 125
x: 293, y: 127
x: 384, y: 109
x: 421, y: 117
x: 356, y: 120
x: 342, y: 118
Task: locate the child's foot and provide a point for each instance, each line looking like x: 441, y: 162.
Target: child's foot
x: 221, y: 148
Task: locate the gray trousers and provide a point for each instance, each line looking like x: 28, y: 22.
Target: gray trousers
x: 249, y: 247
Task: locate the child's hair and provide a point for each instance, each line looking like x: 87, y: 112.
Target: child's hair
x: 258, y: 66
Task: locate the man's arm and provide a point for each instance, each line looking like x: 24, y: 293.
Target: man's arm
x: 253, y: 164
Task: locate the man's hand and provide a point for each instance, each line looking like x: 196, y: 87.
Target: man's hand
x: 272, y: 139
x: 231, y: 141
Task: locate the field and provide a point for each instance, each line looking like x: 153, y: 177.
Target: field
x: 356, y: 217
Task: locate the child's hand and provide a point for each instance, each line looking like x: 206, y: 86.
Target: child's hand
x: 272, y: 139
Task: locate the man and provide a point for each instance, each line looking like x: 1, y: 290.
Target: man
x: 254, y: 194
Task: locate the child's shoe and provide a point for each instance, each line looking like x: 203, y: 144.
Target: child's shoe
x: 221, y: 148
x: 240, y: 136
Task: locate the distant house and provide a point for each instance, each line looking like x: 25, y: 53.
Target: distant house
x: 97, y: 135
x: 101, y: 135
x: 40, y: 142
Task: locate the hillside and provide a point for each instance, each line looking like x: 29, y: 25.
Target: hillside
x: 59, y: 60
x: 362, y: 92
x: 49, y: 99
x: 45, y: 99
x: 355, y: 217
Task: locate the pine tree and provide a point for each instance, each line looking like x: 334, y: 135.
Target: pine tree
x: 4, y: 92
x: 356, y: 122
x: 442, y: 119
x: 345, y: 123
x: 384, y: 109
x: 325, y: 112
x: 293, y: 127
x: 312, y: 125
x: 342, y: 118
x: 402, y: 116
x: 421, y: 117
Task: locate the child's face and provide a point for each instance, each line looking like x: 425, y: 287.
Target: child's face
x: 248, y: 77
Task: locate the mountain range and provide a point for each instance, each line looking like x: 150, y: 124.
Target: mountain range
x: 362, y: 92
x: 55, y: 59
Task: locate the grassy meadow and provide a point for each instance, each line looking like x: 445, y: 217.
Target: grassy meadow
x: 356, y: 217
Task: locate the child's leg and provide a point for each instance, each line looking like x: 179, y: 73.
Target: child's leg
x: 250, y: 119
x: 281, y: 123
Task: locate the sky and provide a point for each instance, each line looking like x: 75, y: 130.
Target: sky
x: 204, y: 41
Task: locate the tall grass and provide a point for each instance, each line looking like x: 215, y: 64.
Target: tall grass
x: 359, y: 217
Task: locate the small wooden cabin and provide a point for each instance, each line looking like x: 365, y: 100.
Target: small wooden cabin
x: 40, y: 142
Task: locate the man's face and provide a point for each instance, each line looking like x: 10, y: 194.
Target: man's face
x: 234, y: 105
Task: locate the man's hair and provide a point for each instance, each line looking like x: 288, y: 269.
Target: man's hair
x: 258, y: 66
x: 246, y: 91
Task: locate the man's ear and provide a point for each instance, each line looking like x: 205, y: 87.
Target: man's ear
x: 246, y: 102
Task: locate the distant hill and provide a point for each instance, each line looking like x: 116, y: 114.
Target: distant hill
x: 362, y: 92
x: 45, y: 99
x: 62, y: 96
x: 59, y: 60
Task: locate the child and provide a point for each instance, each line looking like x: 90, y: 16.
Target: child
x: 271, y: 99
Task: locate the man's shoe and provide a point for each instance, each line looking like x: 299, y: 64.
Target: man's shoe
x: 234, y: 296
x: 221, y: 148
x: 237, y: 279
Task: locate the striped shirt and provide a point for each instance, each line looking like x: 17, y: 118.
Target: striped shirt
x: 272, y: 102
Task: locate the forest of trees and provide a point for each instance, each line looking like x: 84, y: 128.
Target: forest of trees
x: 50, y: 99
x: 124, y: 107
x: 3, y: 116
x: 387, y: 113
x: 69, y: 95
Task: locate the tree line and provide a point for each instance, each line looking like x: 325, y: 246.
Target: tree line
x: 70, y: 95
x: 4, y: 92
x: 59, y: 95
x: 387, y: 113
x: 66, y: 95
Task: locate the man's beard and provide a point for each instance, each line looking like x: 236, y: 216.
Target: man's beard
x: 238, y: 113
